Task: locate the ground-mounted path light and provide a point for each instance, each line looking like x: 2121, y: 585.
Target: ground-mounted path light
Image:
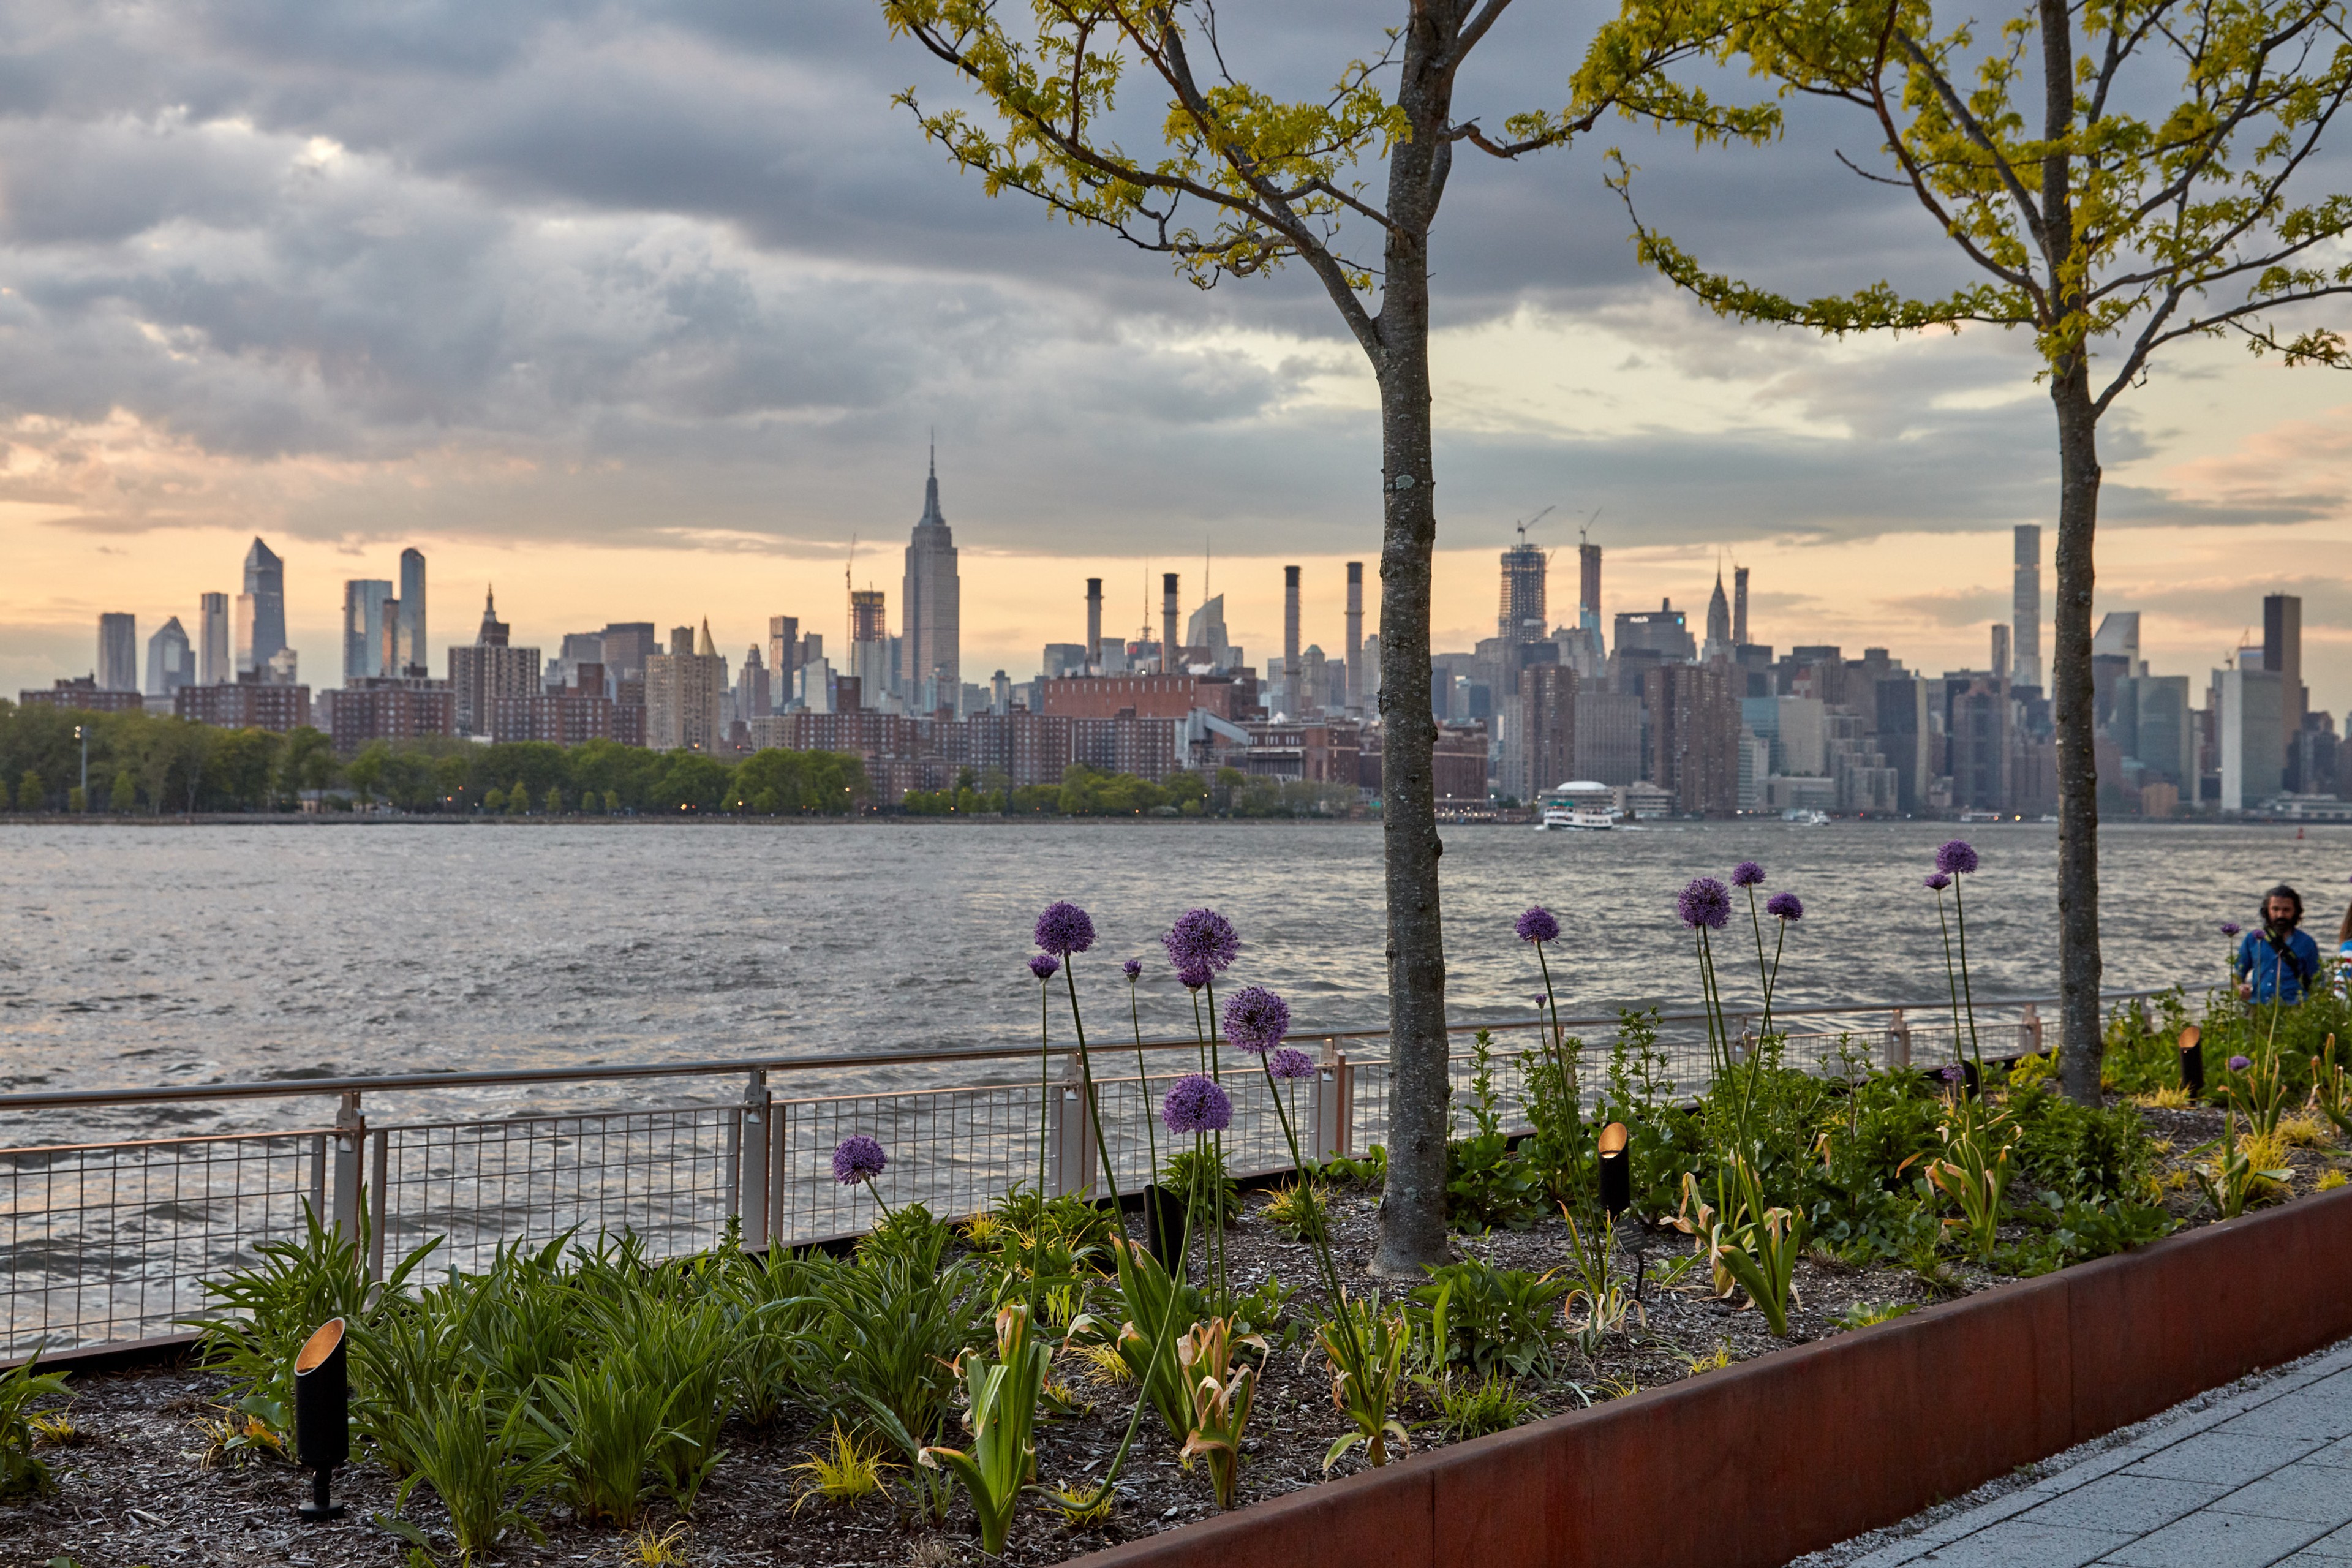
x: 2192, y: 1061
x: 322, y: 1413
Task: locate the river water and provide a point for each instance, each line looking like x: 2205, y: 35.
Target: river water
x: 137, y: 956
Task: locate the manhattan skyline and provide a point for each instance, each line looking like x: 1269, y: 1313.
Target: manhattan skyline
x: 676, y: 384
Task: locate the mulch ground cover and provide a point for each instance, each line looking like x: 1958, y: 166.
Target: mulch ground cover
x: 137, y: 1485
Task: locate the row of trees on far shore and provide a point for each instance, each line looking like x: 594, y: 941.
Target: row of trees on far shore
x: 143, y: 764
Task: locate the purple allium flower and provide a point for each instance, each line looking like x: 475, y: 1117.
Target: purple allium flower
x: 1706, y: 903
x: 1044, y: 965
x: 1195, y: 1104
x: 1065, y: 929
x: 857, y: 1159
x: 1935, y: 881
x: 1958, y: 858
x: 2239, y: 1064
x: 1786, y: 906
x: 1194, y: 976
x: 1132, y: 969
x: 1291, y: 1062
x: 1951, y: 1075
x: 1204, y: 940
x: 1537, y: 925
x: 1257, y: 1019
x: 1747, y: 874
x: 2230, y: 927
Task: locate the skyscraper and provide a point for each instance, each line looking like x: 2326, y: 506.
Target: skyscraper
x: 364, y: 599
x: 490, y: 669
x: 869, y: 645
x: 931, y: 612
x: 1739, y: 606
x: 261, y: 609
x: 171, y: 662
x: 2025, y: 608
x: 1207, y: 629
x: 117, y: 653
x: 2001, y: 668
x: 213, y: 666
x: 1719, y: 622
x: 685, y: 695
x: 783, y: 654
x: 414, y: 653
x: 1588, y: 588
x: 2283, y: 657
x: 1520, y: 618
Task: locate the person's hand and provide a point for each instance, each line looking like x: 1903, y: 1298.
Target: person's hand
x: 2245, y: 990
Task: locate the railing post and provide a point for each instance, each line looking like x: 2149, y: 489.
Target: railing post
x: 1331, y: 1096
x: 1898, y: 1041
x: 351, y: 1132
x: 1070, y: 1156
x: 380, y: 1216
x: 752, y: 1173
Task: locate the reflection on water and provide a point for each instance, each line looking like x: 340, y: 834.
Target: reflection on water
x: 175, y: 955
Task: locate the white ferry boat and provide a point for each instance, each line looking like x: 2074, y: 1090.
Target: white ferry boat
x: 1580, y: 805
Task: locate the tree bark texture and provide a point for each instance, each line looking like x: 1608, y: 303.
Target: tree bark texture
x: 1413, y: 1206
x: 2073, y: 704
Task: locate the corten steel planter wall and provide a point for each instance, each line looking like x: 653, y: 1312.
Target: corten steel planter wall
x: 1751, y: 1466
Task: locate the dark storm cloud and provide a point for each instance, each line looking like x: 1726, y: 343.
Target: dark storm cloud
x: 693, y: 252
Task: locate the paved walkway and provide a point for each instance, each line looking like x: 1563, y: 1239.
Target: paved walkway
x: 2258, y: 1474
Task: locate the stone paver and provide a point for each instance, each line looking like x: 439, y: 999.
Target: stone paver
x: 2258, y: 1476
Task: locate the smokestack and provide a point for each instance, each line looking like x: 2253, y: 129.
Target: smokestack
x: 1355, y: 634
x: 1167, y: 622
x: 1094, y: 620
x: 1290, y: 620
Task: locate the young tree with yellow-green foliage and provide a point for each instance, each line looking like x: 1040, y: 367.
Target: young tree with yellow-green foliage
x: 1232, y: 181
x: 2123, y: 174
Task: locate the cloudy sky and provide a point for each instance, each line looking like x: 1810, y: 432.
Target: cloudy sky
x: 642, y: 311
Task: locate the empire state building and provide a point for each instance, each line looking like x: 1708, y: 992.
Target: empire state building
x: 932, y: 608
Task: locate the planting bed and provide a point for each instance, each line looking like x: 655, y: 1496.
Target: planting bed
x: 135, y: 1487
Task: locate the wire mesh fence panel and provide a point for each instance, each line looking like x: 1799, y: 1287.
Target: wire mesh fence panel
x: 665, y: 1176
x: 952, y: 1149
x: 102, y: 1242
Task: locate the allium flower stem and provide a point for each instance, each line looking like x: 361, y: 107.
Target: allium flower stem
x: 1951, y: 975
x: 1143, y: 1080
x: 1961, y: 918
x: 1558, y: 1041
x: 1045, y: 1120
x: 1763, y: 977
x: 1326, y: 1263
x: 1086, y: 1082
x: 879, y: 1198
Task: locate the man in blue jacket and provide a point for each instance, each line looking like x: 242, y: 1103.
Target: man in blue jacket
x: 2278, y: 962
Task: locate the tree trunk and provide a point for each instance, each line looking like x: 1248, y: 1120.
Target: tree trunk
x: 2072, y: 705
x: 2072, y: 702
x: 1413, y: 1206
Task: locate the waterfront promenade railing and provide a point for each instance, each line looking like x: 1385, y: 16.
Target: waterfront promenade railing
x: 103, y: 1242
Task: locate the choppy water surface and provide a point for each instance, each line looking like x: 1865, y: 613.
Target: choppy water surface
x: 171, y: 955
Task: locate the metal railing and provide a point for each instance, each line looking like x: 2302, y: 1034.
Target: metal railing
x: 105, y: 1242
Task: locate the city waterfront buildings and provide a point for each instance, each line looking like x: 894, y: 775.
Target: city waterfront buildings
x: 488, y: 670
x: 171, y: 661
x: 260, y: 626
x: 117, y: 652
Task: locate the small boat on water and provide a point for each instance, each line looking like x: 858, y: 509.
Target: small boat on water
x: 1803, y: 818
x: 1576, y: 819
x: 1580, y: 805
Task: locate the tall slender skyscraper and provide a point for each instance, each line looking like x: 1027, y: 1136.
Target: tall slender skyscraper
x: 931, y: 612
x: 1588, y: 590
x: 261, y: 609
x: 1719, y: 622
x: 117, y: 653
x: 1739, y: 606
x: 213, y: 666
x: 414, y: 654
x: 2025, y: 608
x: 1521, y: 617
x: 364, y: 602
x: 2282, y: 654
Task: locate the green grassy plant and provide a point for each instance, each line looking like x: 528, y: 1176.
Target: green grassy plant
x: 1598, y: 1286
x: 22, y: 1391
x: 1491, y: 1319
x: 848, y: 1467
x: 610, y: 1423
x: 1299, y: 1209
x: 1493, y: 1403
x: 1001, y: 1410
x: 1486, y: 1184
x: 483, y: 1463
x: 1365, y: 1346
